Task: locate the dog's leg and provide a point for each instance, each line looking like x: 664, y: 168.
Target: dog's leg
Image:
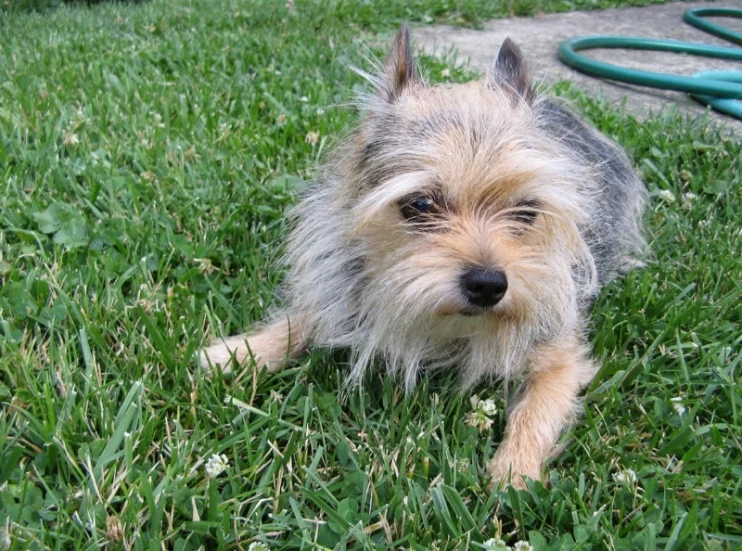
x: 546, y: 403
x: 271, y: 345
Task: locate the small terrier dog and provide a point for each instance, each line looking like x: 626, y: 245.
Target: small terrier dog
x: 466, y: 227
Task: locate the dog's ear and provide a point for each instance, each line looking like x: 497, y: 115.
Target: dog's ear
x: 400, y: 70
x: 510, y: 72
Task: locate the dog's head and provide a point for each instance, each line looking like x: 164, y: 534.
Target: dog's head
x: 466, y: 207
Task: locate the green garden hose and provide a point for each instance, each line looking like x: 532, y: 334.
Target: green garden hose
x: 722, y: 90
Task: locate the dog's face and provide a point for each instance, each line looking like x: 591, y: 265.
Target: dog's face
x: 466, y: 211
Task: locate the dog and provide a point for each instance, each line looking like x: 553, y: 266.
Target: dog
x: 466, y: 227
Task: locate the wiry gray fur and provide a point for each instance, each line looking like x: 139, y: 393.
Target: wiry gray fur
x: 614, y: 229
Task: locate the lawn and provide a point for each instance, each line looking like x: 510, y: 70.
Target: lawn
x: 148, y: 154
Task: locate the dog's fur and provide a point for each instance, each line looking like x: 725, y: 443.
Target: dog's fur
x: 439, y: 181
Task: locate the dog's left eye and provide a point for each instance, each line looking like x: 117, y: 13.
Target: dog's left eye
x: 525, y: 213
x: 417, y: 206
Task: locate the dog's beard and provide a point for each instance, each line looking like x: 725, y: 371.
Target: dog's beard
x: 412, y: 315
x: 405, y: 317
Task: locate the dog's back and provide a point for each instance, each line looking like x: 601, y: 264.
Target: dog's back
x: 614, y: 233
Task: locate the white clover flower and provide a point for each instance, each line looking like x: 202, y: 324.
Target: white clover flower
x: 522, y: 546
x: 677, y: 405
x: 69, y: 138
x: 496, y: 544
x: 304, y: 99
x: 478, y: 419
x: 445, y: 73
x: 689, y: 197
x: 258, y: 546
x: 627, y: 476
x: 312, y: 138
x: 488, y: 407
x: 320, y: 111
x: 216, y: 465
x: 482, y: 411
x: 666, y: 195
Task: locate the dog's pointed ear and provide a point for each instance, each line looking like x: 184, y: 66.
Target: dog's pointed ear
x: 400, y: 70
x: 510, y: 71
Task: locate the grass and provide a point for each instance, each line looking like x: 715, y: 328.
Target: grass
x: 148, y: 153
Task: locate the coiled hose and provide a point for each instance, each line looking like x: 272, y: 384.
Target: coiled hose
x: 722, y: 90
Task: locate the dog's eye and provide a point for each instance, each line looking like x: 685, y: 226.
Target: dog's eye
x: 417, y: 206
x: 525, y: 212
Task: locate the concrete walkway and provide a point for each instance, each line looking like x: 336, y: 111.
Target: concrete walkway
x: 540, y: 36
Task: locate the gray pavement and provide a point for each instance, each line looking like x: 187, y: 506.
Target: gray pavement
x: 540, y: 36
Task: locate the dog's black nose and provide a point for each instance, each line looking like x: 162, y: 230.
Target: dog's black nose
x: 484, y: 287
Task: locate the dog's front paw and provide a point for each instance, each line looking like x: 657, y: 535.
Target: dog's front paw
x: 270, y: 347
x: 217, y: 354
x: 507, y: 471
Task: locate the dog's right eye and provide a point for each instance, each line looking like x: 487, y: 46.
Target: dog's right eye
x: 416, y: 208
